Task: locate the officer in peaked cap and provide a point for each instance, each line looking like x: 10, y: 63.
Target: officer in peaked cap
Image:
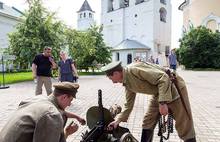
x: 44, y: 116
x: 111, y: 67
x: 66, y: 88
x: 150, y: 79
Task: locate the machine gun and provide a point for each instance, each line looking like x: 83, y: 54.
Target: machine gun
x: 94, y: 134
x: 98, y: 119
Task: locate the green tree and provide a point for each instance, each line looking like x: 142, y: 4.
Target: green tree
x: 88, y: 48
x: 38, y: 29
x: 199, y: 48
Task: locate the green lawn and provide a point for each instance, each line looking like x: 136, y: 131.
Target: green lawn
x: 27, y: 76
x: 16, y: 77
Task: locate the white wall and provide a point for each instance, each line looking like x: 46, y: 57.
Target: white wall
x: 123, y: 56
x: 7, y: 25
x: 145, y: 27
x: 162, y: 31
x: 83, y: 23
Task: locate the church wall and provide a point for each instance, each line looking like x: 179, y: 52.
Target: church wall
x: 123, y: 55
x: 162, y: 32
x: 113, y: 27
x: 83, y: 23
x: 142, y: 23
x: 197, y: 10
x: 138, y: 25
x: 134, y: 26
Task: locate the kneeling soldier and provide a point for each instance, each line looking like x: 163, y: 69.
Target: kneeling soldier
x: 42, y: 118
x: 153, y: 80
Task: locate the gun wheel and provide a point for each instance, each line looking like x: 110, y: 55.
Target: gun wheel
x: 126, y: 137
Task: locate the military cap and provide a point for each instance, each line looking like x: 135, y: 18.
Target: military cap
x: 111, y: 66
x: 66, y: 88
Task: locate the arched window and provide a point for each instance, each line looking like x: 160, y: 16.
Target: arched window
x: 126, y: 2
x: 167, y: 50
x: 84, y: 14
x: 110, y: 5
x: 117, y: 56
x: 1, y: 5
x: 90, y: 15
x: 212, y: 24
x: 163, y: 14
x: 129, y: 59
x: 163, y: 1
x: 139, y: 1
x: 219, y: 27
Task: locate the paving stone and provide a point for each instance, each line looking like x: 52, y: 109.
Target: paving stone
x: 203, y: 90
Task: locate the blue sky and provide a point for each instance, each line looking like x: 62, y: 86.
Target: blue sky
x: 66, y: 11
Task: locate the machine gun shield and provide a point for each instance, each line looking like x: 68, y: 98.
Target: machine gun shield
x: 92, y: 116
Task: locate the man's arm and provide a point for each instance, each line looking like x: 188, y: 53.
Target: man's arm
x: 54, y: 65
x: 123, y: 116
x: 74, y: 70
x: 72, y: 115
x: 34, y: 70
x: 128, y: 106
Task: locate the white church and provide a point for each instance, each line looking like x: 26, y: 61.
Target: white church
x: 133, y: 28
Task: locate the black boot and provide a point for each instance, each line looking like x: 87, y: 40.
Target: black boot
x: 147, y: 135
x: 191, y: 140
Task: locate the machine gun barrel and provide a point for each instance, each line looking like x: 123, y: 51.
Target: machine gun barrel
x: 101, y: 110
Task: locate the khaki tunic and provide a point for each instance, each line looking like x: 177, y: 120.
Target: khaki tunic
x: 36, y: 120
x: 151, y: 80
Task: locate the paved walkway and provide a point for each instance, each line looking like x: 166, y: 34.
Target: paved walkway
x: 203, y: 88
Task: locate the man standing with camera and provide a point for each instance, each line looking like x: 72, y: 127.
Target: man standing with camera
x: 41, y: 68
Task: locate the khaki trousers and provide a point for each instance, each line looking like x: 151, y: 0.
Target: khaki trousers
x: 183, y: 125
x: 46, y: 81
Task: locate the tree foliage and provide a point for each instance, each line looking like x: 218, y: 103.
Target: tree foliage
x: 88, y: 48
x: 38, y: 29
x: 200, y: 48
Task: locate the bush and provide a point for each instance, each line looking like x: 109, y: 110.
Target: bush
x: 200, y: 48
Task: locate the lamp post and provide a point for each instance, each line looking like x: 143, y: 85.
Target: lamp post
x: 3, y: 86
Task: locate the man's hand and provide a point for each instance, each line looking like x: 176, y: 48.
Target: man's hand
x: 72, y: 128
x: 81, y: 121
x: 51, y: 59
x: 54, y: 65
x: 34, y: 76
x: 163, y: 108
x: 113, y: 125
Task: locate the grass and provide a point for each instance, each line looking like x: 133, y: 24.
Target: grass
x: 27, y: 76
x: 91, y: 73
x: 16, y: 77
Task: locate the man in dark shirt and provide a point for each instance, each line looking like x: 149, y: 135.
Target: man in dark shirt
x: 41, y: 68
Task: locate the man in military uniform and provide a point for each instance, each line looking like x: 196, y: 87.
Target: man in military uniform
x: 150, y: 79
x: 41, y: 119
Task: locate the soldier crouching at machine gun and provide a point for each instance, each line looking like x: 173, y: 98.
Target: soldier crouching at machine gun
x: 169, y: 95
x: 98, y: 118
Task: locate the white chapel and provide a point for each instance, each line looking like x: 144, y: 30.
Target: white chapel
x: 137, y: 28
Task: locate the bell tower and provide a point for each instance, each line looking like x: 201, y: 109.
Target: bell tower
x: 85, y: 17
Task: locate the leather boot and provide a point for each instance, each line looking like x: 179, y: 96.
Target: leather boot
x: 147, y: 135
x: 191, y: 140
